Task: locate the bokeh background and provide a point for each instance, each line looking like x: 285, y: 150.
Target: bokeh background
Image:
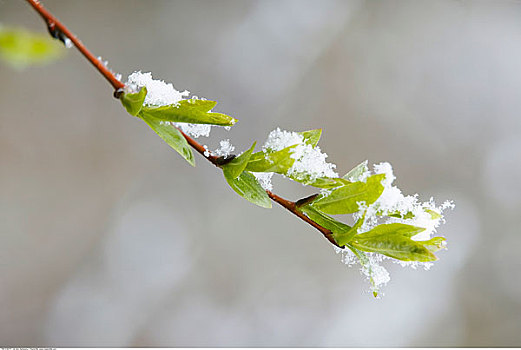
x: 108, y: 238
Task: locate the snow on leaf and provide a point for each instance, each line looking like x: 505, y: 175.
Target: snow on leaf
x: 159, y: 92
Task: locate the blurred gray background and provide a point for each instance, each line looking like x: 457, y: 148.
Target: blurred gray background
x: 108, y: 238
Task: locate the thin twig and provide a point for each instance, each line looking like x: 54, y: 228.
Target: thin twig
x: 54, y: 25
x: 58, y: 30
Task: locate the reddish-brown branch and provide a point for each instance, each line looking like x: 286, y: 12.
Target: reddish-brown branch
x: 200, y: 149
x: 55, y: 26
x: 292, y: 207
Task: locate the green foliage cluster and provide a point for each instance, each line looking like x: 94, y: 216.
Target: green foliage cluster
x: 339, y: 195
x: 20, y: 48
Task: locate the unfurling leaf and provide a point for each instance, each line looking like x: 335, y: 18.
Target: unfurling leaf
x: 345, y: 199
x: 133, y: 102
x: 189, y: 111
x: 394, y: 241
x: 172, y: 137
x: 392, y: 229
x: 247, y: 186
x: 21, y: 48
x: 235, y: 167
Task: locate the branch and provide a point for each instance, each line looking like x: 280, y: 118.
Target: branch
x: 59, y: 31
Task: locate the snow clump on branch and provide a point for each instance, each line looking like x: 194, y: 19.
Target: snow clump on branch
x: 309, y: 162
x: 160, y: 93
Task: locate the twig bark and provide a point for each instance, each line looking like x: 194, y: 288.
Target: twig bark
x: 58, y: 30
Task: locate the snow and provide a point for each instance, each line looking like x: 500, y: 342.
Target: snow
x: 195, y: 130
x: 264, y: 180
x: 280, y: 139
x: 225, y: 149
x: 310, y: 163
x: 159, y: 93
x: 377, y: 275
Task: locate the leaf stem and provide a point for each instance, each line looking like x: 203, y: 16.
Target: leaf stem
x: 60, y: 31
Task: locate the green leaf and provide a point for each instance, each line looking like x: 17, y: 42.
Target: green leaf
x: 355, y: 173
x: 133, y: 102
x: 277, y: 162
x: 434, y: 244
x: 324, y: 220
x: 397, y: 247
x: 280, y: 161
x: 20, y: 48
x: 342, y: 233
x: 321, y: 182
x: 311, y: 137
x: 247, y: 186
x: 344, y: 200
x: 189, y: 111
x: 172, y: 137
x: 234, y: 168
x: 394, y: 240
x: 392, y: 229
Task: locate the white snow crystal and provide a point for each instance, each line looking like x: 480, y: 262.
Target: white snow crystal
x: 280, y: 139
x: 376, y: 273
x: 264, y: 180
x: 195, y: 130
x: 348, y: 257
x: 225, y: 149
x: 159, y: 93
x: 310, y: 163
